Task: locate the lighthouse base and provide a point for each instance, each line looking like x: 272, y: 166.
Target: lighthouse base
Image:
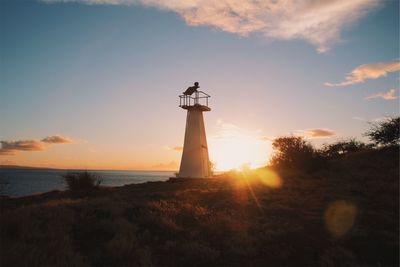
x: 195, y: 162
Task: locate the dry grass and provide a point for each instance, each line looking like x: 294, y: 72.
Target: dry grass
x: 344, y: 215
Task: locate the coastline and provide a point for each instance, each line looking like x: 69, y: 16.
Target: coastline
x: 24, y: 182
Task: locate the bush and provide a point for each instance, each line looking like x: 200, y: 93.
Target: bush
x: 342, y: 148
x: 4, y: 183
x: 292, y: 151
x: 82, y: 182
x: 385, y: 133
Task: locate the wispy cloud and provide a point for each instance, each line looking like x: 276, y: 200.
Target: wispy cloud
x: 12, y: 147
x: 318, y: 22
x: 178, y: 148
x: 378, y: 119
x: 268, y: 138
x: 357, y: 118
x: 389, y: 95
x: 368, y: 71
x: 316, y: 133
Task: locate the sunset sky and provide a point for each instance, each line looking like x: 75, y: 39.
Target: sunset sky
x: 95, y: 83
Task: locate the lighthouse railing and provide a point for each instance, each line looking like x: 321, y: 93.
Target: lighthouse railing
x: 199, y: 98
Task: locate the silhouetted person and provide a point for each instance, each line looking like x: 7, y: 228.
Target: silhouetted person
x: 192, y: 89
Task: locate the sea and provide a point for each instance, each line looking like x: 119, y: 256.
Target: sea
x: 18, y: 182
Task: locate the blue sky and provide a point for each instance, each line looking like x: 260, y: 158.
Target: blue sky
x: 107, y: 77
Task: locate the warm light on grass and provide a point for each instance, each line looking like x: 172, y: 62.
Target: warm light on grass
x: 246, y: 180
x: 269, y: 178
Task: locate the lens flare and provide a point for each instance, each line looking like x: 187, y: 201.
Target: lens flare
x: 269, y: 178
x: 340, y: 217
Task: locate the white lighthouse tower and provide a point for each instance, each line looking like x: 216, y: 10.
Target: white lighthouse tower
x: 195, y: 162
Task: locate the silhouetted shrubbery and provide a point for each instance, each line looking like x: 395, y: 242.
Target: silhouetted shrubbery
x: 385, y: 133
x: 341, y: 148
x: 295, y: 152
x: 82, y: 182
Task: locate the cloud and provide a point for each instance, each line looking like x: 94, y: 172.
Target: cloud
x: 176, y: 148
x: 389, y: 95
x: 318, y: 22
x: 317, y: 133
x: 7, y: 162
x: 378, y: 119
x: 12, y: 147
x: 57, y: 139
x: 368, y: 71
x: 228, y: 130
x: 267, y: 138
x: 359, y: 118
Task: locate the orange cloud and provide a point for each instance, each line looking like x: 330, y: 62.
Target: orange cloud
x: 317, y: 133
x: 389, y: 95
x: 12, y: 147
x: 57, y: 139
x: 368, y: 71
x: 318, y: 22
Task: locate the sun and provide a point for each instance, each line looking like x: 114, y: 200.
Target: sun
x: 236, y: 148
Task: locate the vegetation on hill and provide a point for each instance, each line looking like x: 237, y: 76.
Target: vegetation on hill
x: 344, y: 212
x: 296, y: 152
x: 346, y: 215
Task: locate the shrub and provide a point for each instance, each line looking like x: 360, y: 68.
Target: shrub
x: 82, y: 182
x: 385, y: 133
x: 4, y: 183
x: 342, y: 148
x: 292, y: 151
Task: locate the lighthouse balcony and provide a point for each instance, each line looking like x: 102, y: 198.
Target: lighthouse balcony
x: 198, y: 101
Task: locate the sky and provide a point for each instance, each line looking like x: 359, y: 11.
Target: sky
x: 94, y: 84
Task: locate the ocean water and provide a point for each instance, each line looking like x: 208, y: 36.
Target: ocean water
x: 23, y: 182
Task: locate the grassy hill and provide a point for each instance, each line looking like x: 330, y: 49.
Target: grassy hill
x: 346, y: 214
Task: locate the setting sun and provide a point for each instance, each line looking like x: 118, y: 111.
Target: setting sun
x: 235, y: 148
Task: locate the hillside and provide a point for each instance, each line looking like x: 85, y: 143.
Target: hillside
x: 346, y: 214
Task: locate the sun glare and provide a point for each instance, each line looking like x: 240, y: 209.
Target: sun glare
x: 234, y: 149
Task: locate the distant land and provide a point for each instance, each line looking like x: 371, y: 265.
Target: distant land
x: 7, y: 166
x: 26, y: 167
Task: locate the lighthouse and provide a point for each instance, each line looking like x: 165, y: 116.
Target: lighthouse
x: 195, y: 162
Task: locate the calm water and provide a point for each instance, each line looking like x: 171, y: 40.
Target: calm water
x: 23, y: 182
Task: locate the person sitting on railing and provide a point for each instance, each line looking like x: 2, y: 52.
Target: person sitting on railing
x: 192, y: 89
